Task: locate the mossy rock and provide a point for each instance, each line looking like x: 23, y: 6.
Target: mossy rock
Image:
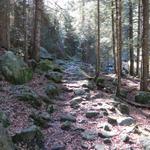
x: 4, y: 120
x: 52, y: 90
x: 143, y: 97
x: 45, y: 65
x: 14, y: 69
x: 32, y: 137
x: 54, y: 76
x: 25, y: 93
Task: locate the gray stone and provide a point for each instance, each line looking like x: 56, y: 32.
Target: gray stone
x: 89, y: 135
x: 52, y: 90
x: 66, y: 125
x: 124, y: 109
x: 5, y: 140
x: 79, y: 92
x: 54, y: 76
x: 99, y: 147
x: 92, y: 114
x: 25, y: 93
x: 125, y: 138
x: 125, y: 121
x: 143, y: 97
x: 44, y: 54
x: 84, y: 145
x: 145, y: 141
x: 106, y: 134
x: 112, y: 120
x: 58, y: 147
x: 32, y: 136
x: 75, y: 102
x: 68, y: 117
x: 107, y: 141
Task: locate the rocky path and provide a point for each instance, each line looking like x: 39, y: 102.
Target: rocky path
x: 93, y: 120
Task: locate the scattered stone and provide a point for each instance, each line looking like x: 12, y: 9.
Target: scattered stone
x: 58, y: 147
x: 107, y: 141
x: 5, y: 140
x: 125, y: 121
x: 112, y: 120
x: 99, y: 147
x: 84, y: 145
x: 145, y: 141
x: 79, y: 92
x: 89, y: 135
x: 41, y: 119
x: 68, y: 117
x: 66, y: 125
x: 50, y: 109
x: 52, y: 90
x: 92, y: 114
x: 25, y: 93
x: 124, y: 109
x: 106, y: 134
x: 31, y: 136
x: 54, y: 76
x: 75, y: 102
x: 4, y: 120
x: 125, y: 138
x: 143, y: 97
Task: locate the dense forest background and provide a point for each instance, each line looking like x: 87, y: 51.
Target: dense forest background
x: 74, y: 74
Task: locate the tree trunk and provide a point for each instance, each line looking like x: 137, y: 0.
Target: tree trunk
x: 98, y: 40
x: 119, y: 44
x: 138, y: 38
x: 37, y: 29
x: 5, y: 24
x: 113, y: 34
x: 131, y: 38
x: 145, y: 46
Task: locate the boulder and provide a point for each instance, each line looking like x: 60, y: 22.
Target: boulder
x: 125, y: 121
x: 52, y: 90
x: 124, y: 109
x: 89, y: 135
x: 4, y: 120
x: 5, y: 140
x: 99, y: 147
x: 106, y: 134
x: 75, y: 102
x: 32, y: 137
x: 44, y: 54
x: 68, y: 117
x: 145, y: 141
x: 25, y: 93
x: 45, y: 65
x: 92, y: 114
x: 143, y: 97
x: 54, y: 76
x: 14, y: 69
x: 41, y: 119
x: 58, y: 147
x: 66, y: 125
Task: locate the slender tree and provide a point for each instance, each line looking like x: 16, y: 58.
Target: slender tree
x: 138, y: 38
x: 119, y: 44
x: 98, y: 40
x: 37, y: 29
x: 145, y: 46
x: 131, y: 38
x: 5, y: 23
x: 113, y: 33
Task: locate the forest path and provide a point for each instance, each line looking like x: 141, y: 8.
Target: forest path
x: 91, y: 119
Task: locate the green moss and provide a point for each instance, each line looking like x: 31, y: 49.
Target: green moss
x: 45, y: 65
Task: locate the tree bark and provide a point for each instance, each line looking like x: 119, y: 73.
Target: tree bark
x: 145, y: 46
x: 98, y: 40
x: 131, y: 38
x: 5, y: 24
x: 113, y: 34
x: 37, y: 29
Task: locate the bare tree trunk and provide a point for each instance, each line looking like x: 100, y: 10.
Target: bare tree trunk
x: 98, y: 40
x: 119, y: 44
x: 131, y: 38
x: 25, y: 30
x: 113, y: 34
x: 37, y: 29
x: 138, y: 38
x: 145, y: 46
x: 5, y: 23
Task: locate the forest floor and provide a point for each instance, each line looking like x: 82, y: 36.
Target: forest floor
x: 92, y: 114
